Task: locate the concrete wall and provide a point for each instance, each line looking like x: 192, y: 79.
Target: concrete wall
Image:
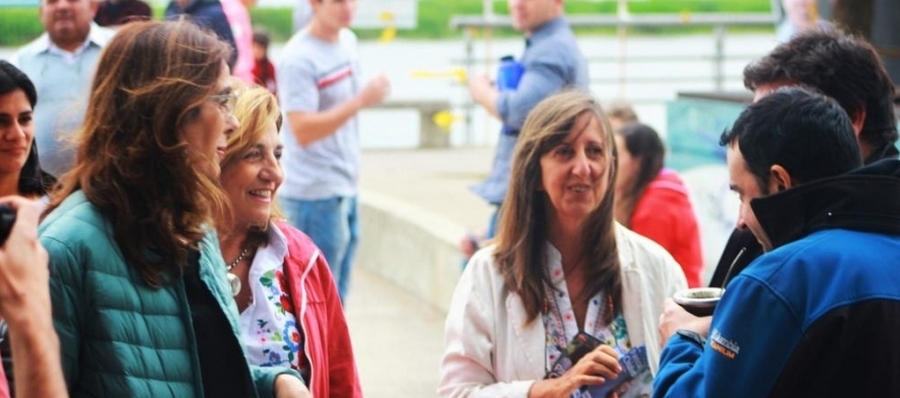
x: 410, y: 247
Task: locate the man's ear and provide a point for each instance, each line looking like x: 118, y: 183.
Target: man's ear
x: 858, y: 118
x: 779, y: 179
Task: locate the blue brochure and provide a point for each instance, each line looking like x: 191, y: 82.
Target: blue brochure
x: 633, y: 363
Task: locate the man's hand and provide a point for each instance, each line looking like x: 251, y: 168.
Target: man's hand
x: 287, y: 386
x: 482, y: 90
x: 375, y: 91
x: 25, y: 304
x: 675, y: 318
x: 24, y: 275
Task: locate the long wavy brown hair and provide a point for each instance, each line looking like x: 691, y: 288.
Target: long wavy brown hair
x: 132, y: 163
x: 524, y: 224
x: 256, y: 108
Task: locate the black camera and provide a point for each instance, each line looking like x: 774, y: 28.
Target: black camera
x: 7, y: 219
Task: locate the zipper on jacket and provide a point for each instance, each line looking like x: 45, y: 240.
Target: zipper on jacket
x: 302, y: 320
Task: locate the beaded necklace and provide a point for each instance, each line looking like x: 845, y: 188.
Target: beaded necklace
x: 233, y: 279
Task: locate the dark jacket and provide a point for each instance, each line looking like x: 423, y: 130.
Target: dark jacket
x: 112, y: 14
x: 742, y: 247
x: 207, y: 14
x: 819, y: 316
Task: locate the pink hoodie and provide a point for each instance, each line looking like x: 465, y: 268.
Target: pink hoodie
x: 239, y: 19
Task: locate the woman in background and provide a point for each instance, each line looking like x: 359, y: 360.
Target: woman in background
x: 653, y: 201
x: 291, y: 314
x: 20, y: 170
x: 561, y: 272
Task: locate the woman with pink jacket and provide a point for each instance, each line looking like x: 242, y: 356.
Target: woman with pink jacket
x: 290, y: 312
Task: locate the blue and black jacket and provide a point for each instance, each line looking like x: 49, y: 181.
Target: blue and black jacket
x: 819, y: 316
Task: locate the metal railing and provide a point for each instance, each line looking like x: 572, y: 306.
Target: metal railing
x: 719, y: 23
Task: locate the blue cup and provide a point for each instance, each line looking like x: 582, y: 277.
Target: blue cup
x: 509, y: 73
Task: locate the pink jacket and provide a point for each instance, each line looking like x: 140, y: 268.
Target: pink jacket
x: 239, y: 19
x: 318, y: 309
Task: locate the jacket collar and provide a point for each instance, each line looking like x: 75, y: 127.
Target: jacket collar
x: 886, y: 151
x: 866, y: 199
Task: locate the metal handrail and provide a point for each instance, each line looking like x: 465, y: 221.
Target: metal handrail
x: 629, y: 20
x: 718, y: 21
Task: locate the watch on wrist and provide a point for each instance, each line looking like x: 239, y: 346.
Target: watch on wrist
x: 692, y: 336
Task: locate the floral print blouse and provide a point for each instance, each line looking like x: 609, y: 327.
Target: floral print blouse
x: 270, y: 331
x: 561, y: 327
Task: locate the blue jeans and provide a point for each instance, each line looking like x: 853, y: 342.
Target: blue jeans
x: 333, y: 225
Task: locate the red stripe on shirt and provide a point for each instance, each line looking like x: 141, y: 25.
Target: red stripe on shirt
x: 334, y: 77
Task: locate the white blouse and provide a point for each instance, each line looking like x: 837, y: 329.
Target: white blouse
x: 268, y: 326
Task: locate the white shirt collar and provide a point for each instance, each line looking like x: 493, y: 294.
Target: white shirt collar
x: 98, y: 36
x: 277, y: 246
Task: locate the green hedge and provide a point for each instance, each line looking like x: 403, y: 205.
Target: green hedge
x: 19, y: 25
x: 434, y: 15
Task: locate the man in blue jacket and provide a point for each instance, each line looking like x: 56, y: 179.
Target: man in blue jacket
x: 842, y: 67
x: 817, y: 315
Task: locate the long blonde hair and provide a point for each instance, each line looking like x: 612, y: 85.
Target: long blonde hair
x: 523, y: 224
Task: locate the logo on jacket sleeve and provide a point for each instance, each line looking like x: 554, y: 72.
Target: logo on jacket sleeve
x: 723, y: 346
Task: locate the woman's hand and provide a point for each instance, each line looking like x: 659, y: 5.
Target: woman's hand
x: 287, y: 386
x: 595, y: 368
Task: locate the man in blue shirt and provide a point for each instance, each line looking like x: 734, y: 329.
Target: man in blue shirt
x: 61, y: 64
x: 552, y: 61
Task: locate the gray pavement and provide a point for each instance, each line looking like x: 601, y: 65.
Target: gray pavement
x: 397, y: 339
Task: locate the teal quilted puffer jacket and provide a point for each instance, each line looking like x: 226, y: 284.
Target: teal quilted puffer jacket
x: 120, y: 338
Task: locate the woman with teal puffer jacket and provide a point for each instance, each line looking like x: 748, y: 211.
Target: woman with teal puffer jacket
x: 140, y: 298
